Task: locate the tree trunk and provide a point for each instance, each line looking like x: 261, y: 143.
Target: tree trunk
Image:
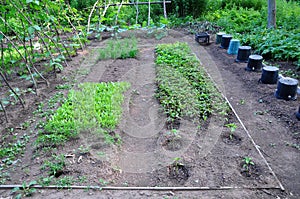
x: 271, y: 13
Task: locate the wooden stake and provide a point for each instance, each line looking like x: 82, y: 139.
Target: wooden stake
x: 149, y: 12
x: 3, y: 108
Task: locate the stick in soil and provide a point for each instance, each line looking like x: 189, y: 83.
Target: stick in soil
x: 14, y: 92
x: 6, y: 82
x: 3, y: 108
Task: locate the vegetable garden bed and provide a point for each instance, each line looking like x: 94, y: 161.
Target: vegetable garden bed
x: 192, y: 140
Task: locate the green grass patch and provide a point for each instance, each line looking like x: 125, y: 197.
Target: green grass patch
x: 95, y: 106
x: 184, y: 90
x: 119, y: 49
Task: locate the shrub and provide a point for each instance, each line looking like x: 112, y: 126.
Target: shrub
x: 188, y: 7
x: 255, y: 4
x: 81, y: 4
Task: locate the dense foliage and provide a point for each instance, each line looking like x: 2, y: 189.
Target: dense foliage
x: 183, y: 8
x: 81, y: 4
x: 247, y: 20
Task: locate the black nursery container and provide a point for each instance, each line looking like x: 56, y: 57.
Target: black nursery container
x: 298, y: 114
x: 243, y: 54
x: 254, y: 63
x: 219, y: 37
x: 269, y: 75
x: 287, y: 88
x: 225, y: 41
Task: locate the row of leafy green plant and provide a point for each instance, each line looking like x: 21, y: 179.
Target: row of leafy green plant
x: 92, y: 106
x: 184, y: 90
x: 119, y: 48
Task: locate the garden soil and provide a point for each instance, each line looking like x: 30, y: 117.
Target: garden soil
x: 201, y: 156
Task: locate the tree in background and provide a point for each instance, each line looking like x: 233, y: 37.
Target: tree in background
x: 271, y: 13
x: 183, y: 8
x: 81, y: 4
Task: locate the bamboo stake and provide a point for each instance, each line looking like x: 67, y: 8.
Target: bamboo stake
x: 143, y: 188
x: 71, y: 11
x: 75, y: 30
x: 149, y: 12
x: 137, y: 12
x: 26, y: 60
x: 90, y: 16
x: 105, y: 9
x: 119, y: 9
x: 2, y: 60
x: 165, y: 9
x: 57, y: 48
x: 129, y: 4
x: 12, y: 90
x: 139, y: 3
x: 62, y: 42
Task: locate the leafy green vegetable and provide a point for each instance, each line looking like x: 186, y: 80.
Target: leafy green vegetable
x: 93, y: 106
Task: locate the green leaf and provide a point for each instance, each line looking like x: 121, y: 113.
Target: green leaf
x: 15, y: 189
x: 32, y: 183
x: 33, y: 1
x: 19, y: 196
x: 36, y: 27
x: 1, y: 37
x: 31, y: 30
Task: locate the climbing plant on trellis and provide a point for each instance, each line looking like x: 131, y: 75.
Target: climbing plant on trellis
x: 33, y: 31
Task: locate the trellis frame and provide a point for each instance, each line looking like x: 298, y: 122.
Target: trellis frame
x: 109, y: 4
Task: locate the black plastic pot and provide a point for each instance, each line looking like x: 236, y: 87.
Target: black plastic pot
x: 298, y: 114
x: 219, y: 37
x: 254, y: 63
x: 287, y: 88
x: 225, y: 41
x: 243, y: 54
x: 202, y: 37
x: 269, y: 75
